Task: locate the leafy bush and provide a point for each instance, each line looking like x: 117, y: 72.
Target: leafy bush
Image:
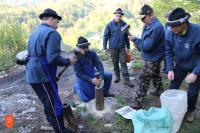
x: 12, y: 40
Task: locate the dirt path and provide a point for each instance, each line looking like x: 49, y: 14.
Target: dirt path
x: 18, y: 98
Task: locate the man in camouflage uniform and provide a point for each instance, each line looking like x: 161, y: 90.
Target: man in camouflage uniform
x: 151, y: 46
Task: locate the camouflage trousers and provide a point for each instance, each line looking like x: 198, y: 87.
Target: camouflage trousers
x: 150, y: 71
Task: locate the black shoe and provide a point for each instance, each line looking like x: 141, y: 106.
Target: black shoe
x: 117, y: 79
x: 128, y: 83
x: 189, y: 116
x: 108, y: 95
x: 136, y: 106
x: 156, y: 92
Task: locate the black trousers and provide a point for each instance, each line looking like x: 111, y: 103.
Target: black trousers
x: 119, y: 56
x: 45, y: 94
x: 193, y: 88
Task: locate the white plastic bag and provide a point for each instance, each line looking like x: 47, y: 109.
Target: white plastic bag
x: 176, y: 102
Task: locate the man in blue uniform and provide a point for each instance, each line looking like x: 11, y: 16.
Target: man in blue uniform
x: 182, y: 55
x: 151, y: 46
x: 87, y: 64
x: 118, y: 46
x: 43, y: 59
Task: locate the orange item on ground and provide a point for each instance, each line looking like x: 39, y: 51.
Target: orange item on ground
x: 9, y: 120
x: 128, y: 57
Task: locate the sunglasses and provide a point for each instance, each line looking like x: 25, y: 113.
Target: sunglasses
x: 143, y: 18
x: 84, y: 47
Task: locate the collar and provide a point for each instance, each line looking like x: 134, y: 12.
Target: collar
x: 148, y: 26
x: 45, y: 24
x: 185, y: 32
x: 121, y: 22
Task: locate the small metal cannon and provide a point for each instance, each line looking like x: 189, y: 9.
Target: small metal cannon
x: 69, y: 117
x: 99, y: 95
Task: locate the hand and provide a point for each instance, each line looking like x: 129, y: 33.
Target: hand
x: 73, y: 59
x: 131, y: 37
x: 80, y: 50
x: 96, y: 81
x: 191, y: 78
x: 170, y: 75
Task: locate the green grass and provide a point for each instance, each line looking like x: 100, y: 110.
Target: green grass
x: 122, y: 125
x: 12, y: 40
x: 137, y: 64
x: 190, y: 127
x: 121, y: 101
x: 6, y: 62
x: 81, y: 109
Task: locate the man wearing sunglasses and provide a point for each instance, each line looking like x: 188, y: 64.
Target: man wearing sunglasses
x: 43, y: 59
x: 151, y: 45
x: 118, y: 46
x: 85, y: 68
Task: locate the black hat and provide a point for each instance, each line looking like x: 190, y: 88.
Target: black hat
x: 177, y: 17
x: 167, y: 14
x: 119, y: 11
x: 50, y: 13
x: 82, y: 42
x: 145, y: 10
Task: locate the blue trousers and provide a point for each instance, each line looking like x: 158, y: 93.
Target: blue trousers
x: 45, y: 94
x: 193, y: 88
x: 86, y: 90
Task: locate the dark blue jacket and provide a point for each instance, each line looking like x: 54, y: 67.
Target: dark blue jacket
x: 184, y: 49
x: 44, y: 41
x: 92, y: 57
x: 152, y: 40
x: 114, y: 35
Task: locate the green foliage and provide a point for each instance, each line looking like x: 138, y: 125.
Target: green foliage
x: 122, y: 125
x: 85, y: 17
x: 137, y: 64
x: 121, y: 101
x: 161, y: 7
x: 12, y: 40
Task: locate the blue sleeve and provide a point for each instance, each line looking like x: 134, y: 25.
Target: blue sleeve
x: 169, y: 53
x: 106, y: 36
x: 98, y: 64
x: 196, y: 70
x: 126, y: 41
x: 53, y: 50
x: 151, y: 40
x: 137, y: 42
x: 80, y: 73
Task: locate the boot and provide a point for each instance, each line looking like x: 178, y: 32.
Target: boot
x: 189, y: 116
x: 157, y: 92
x: 117, y: 79
x: 136, y: 105
x: 108, y: 95
x: 46, y: 126
x: 128, y: 83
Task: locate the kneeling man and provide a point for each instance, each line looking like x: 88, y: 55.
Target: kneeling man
x: 85, y: 68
